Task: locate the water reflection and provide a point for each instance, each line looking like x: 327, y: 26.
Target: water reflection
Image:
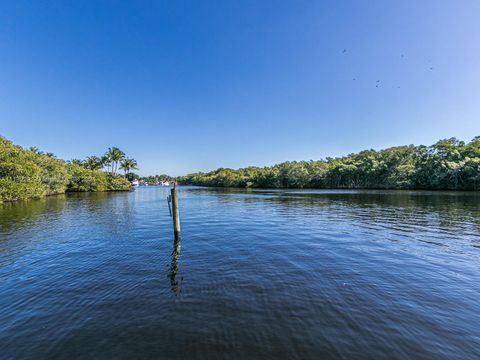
x: 424, y: 216
x: 30, y: 219
x: 18, y: 215
x: 174, y: 268
x: 271, y: 274
x: 31, y: 222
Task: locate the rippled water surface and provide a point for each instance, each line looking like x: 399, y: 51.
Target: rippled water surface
x: 257, y: 274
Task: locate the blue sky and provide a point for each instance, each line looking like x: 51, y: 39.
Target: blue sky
x: 186, y: 86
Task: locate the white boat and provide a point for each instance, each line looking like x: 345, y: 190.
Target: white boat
x: 135, y: 183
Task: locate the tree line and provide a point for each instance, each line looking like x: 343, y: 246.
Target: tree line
x: 113, y: 160
x: 31, y: 173
x: 449, y: 164
x: 155, y: 179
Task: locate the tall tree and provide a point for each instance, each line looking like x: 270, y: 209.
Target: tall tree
x: 93, y: 163
x: 115, y: 155
x: 35, y: 150
x: 106, y: 161
x: 76, y: 162
x: 127, y: 165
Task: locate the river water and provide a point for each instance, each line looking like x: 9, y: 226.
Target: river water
x: 256, y: 274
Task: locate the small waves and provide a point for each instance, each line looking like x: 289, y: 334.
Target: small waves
x: 256, y: 274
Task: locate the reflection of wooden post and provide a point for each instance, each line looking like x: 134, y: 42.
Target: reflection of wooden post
x: 174, y: 284
x: 175, y: 212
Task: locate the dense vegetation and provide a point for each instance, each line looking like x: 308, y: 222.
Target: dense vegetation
x: 449, y: 164
x: 155, y: 179
x: 26, y: 174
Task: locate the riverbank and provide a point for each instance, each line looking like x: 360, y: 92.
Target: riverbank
x: 449, y: 164
x: 29, y: 174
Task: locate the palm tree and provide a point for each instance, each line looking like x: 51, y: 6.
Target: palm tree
x: 93, y: 163
x: 115, y: 155
x: 106, y: 161
x: 35, y: 150
x: 127, y: 165
x: 76, y: 162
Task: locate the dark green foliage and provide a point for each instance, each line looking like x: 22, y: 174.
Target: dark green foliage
x: 92, y: 163
x: 54, y: 174
x: 82, y: 179
x: 12, y: 191
x: 131, y: 176
x: 117, y: 183
x: 27, y: 174
x: 152, y: 180
x: 128, y: 165
x: 449, y: 164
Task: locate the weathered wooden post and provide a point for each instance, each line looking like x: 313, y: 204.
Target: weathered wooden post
x: 175, y: 211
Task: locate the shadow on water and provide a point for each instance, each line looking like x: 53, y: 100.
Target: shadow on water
x: 175, y: 283
x: 444, y: 204
x: 428, y: 214
x: 29, y: 218
x: 24, y: 214
x: 434, y: 200
x: 34, y: 219
x: 17, y: 215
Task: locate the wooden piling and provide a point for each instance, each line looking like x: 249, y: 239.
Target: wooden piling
x: 175, y: 212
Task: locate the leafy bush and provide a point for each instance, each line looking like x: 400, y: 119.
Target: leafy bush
x: 117, y: 183
x: 12, y: 191
x: 54, y: 174
x: 82, y: 179
x: 26, y: 174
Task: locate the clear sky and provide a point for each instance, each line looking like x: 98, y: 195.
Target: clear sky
x: 186, y: 86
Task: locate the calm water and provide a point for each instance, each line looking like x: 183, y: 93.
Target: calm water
x: 257, y: 274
